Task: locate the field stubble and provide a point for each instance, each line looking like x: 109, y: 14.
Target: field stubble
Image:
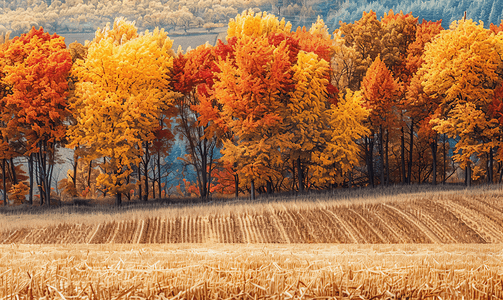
x: 425, y: 245
x: 267, y: 271
x: 438, y: 217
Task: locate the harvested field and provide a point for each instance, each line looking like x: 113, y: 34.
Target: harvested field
x: 224, y: 271
x: 446, y: 217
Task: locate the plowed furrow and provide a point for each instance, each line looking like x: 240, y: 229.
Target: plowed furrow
x: 489, y: 212
x: 16, y: 236
x: 345, y: 227
x: 37, y: 237
x: 237, y: 231
x: 190, y: 236
x: 163, y: 237
x: 186, y: 229
x: 291, y: 227
x: 155, y: 227
x: 347, y: 217
x: 250, y: 228
x: 275, y: 218
x: 130, y: 234
x: 177, y: 230
x: 364, y: 231
x: 405, y: 225
x: 314, y: 226
x: 256, y: 222
x: 434, y: 231
x: 274, y: 235
x: 244, y: 228
x: 95, y: 237
x: 373, y: 235
x: 218, y: 230
x: 455, y: 227
x: 477, y: 221
x: 381, y: 228
x: 324, y: 226
x: 339, y: 234
x: 303, y: 230
x: 169, y: 230
x: 213, y: 233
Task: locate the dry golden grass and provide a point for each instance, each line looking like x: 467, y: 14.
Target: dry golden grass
x: 415, y: 245
x: 224, y: 271
x: 439, y: 217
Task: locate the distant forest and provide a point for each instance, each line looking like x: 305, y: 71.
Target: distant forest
x: 18, y: 16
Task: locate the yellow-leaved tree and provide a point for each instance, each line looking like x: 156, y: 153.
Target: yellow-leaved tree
x: 307, y: 116
x: 460, y: 73
x: 346, y: 125
x: 122, y: 89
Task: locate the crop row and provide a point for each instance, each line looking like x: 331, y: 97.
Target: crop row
x: 455, y: 219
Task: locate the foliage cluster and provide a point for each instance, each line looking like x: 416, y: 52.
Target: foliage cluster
x: 270, y: 110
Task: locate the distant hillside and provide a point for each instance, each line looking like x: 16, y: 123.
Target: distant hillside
x: 77, y: 16
x: 488, y: 11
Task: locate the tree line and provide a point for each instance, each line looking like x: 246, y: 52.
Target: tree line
x: 378, y: 102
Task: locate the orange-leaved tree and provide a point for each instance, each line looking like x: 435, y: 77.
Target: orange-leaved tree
x: 193, y: 77
x: 250, y: 90
x: 365, y: 37
x: 420, y: 108
x: 461, y: 72
x: 123, y: 88
x: 36, y: 69
x: 381, y: 92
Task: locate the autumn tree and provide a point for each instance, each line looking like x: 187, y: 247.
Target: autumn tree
x: 346, y: 125
x: 193, y: 77
x: 460, y: 72
x: 246, y: 106
x: 122, y: 89
x: 36, y: 68
x: 381, y: 92
x: 250, y: 90
x: 4, y: 145
x: 365, y: 37
x: 420, y: 107
x: 77, y: 52
x: 399, y: 32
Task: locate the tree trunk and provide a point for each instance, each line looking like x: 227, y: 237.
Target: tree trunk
x: 490, y: 166
x: 89, y: 174
x: 42, y: 168
x: 381, y: 154
x: 4, y: 183
x: 147, y: 159
x: 118, y: 200
x: 236, y: 185
x: 13, y: 171
x: 369, y: 156
x: 387, y: 157
x: 253, y: 189
x: 140, y: 188
x: 159, y: 173
x: 269, y: 187
x: 30, y: 171
x: 445, y: 165
x: 402, y: 158
x: 293, y: 175
x: 411, y: 148
x: 434, y: 161
x: 468, y: 175
x: 350, y: 181
x: 75, y: 165
x: 301, y: 176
